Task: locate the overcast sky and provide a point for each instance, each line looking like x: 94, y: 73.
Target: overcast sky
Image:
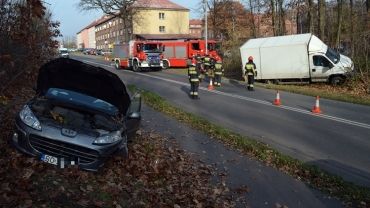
x: 73, y: 20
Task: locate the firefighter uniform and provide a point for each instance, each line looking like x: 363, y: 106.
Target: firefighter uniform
x: 211, y: 69
x: 218, y: 73
x: 194, y: 80
x: 207, y: 62
x: 200, y: 67
x: 250, y: 71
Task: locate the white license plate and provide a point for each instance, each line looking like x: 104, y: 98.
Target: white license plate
x: 49, y: 159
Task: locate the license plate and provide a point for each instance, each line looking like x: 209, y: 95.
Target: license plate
x: 49, y: 159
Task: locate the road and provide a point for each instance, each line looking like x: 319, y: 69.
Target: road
x: 338, y: 140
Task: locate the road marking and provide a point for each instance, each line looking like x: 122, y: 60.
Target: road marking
x: 333, y: 118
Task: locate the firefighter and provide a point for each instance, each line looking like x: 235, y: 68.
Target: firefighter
x: 218, y: 72
x: 193, y: 79
x: 207, y: 62
x: 211, y: 69
x: 199, y: 65
x: 250, y: 71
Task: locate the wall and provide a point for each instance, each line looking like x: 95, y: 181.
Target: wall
x: 175, y: 22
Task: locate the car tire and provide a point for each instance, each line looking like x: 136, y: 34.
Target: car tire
x: 116, y: 65
x: 336, y: 80
x: 166, y: 65
x: 135, y: 66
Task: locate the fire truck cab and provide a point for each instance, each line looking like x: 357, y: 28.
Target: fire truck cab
x: 138, y: 55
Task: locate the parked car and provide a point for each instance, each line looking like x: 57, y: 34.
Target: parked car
x: 80, y: 115
x: 99, y: 52
x: 89, y: 51
x: 63, y: 53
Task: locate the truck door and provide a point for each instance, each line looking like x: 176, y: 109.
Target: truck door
x: 320, y: 67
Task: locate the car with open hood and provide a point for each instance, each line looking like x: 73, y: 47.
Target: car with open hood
x: 81, y: 115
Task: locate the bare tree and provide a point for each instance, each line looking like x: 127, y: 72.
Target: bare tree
x: 339, y: 22
x: 125, y: 9
x: 321, y: 19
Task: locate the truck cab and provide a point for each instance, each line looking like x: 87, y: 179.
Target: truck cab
x: 327, y: 65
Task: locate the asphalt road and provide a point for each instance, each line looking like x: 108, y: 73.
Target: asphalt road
x: 338, y: 140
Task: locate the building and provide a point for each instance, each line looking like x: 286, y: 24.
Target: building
x: 196, y: 28
x: 153, y: 17
x: 86, y: 37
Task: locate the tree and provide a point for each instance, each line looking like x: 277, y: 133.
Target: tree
x: 69, y: 42
x: 125, y: 9
x: 321, y: 18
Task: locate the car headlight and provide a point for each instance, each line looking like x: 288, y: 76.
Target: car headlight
x: 109, y: 138
x: 29, y: 118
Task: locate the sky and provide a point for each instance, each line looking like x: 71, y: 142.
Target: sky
x: 72, y: 20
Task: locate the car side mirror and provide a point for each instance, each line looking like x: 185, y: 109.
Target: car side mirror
x: 135, y: 107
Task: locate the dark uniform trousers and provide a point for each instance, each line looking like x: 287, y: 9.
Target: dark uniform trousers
x: 194, y: 81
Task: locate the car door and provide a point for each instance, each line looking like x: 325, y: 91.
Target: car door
x: 133, y: 117
x: 320, y: 68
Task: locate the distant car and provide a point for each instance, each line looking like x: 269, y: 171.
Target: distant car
x: 99, y: 52
x: 81, y: 115
x: 63, y: 53
x: 89, y: 51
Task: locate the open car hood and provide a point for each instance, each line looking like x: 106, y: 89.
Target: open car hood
x: 90, y: 80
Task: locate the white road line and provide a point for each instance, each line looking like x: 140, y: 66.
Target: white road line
x: 333, y: 118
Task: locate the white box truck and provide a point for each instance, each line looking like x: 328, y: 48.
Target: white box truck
x: 302, y: 57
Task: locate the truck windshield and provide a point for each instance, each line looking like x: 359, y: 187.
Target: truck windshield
x: 151, y: 48
x: 211, y: 46
x: 332, y: 55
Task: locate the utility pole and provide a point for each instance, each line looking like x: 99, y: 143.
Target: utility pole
x: 206, y: 24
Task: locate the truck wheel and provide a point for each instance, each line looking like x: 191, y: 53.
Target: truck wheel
x: 135, y: 67
x: 116, y: 65
x: 336, y: 80
x: 166, y: 65
x: 276, y: 81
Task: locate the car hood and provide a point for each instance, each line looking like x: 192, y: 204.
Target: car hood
x: 90, y: 80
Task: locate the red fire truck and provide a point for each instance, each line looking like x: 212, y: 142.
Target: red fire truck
x: 177, y: 52
x: 138, y: 55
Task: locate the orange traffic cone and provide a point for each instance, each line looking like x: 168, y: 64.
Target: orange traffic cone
x: 277, y: 99
x: 316, y: 108
x: 210, y: 86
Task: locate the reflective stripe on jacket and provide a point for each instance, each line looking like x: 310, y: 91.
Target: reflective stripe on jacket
x: 249, y: 69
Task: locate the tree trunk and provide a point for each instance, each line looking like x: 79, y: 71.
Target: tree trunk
x: 339, y: 20
x: 254, y: 33
x: 281, y: 18
x: 273, y: 15
x: 352, y: 30
x: 321, y: 19
x: 310, y: 16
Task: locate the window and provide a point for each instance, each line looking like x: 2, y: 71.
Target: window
x: 120, y: 21
x: 161, y: 15
x: 321, y: 61
x: 162, y: 29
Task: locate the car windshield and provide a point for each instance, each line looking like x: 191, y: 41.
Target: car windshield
x: 332, y: 55
x: 76, y: 98
x: 63, y: 51
x: 151, y: 48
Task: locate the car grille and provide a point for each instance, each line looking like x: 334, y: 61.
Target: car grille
x: 63, y: 149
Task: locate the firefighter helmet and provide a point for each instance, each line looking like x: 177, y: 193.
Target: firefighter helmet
x: 250, y: 58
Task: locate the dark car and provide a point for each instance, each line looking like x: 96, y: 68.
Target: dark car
x: 80, y: 115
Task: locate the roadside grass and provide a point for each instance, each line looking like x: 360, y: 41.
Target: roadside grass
x: 352, y: 194
x: 346, y: 93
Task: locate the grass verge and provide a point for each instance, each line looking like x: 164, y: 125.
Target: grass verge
x: 340, y: 93
x: 350, y: 193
